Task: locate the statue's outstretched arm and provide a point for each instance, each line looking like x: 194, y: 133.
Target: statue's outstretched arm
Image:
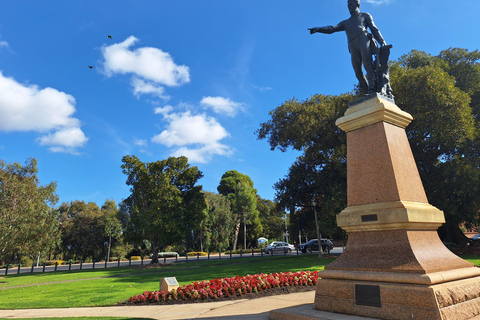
x: 328, y: 29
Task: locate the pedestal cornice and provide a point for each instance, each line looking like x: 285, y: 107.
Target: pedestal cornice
x: 372, y: 111
x: 390, y: 216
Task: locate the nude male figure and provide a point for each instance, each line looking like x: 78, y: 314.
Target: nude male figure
x: 360, y: 43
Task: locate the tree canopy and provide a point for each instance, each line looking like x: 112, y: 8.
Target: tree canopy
x: 239, y: 190
x: 441, y: 92
x: 28, y: 223
x: 165, y: 205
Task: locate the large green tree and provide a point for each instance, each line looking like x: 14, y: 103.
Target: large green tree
x: 28, y: 223
x: 165, y: 206
x: 218, y: 223
x: 271, y: 217
x: 83, y: 230
x: 112, y: 226
x: 441, y: 92
x: 239, y: 190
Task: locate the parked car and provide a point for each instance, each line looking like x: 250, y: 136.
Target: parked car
x: 312, y: 245
x: 476, y: 237
x: 279, y: 247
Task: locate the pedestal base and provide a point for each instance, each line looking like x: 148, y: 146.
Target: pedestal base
x: 452, y: 300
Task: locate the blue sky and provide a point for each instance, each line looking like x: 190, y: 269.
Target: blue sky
x: 183, y: 77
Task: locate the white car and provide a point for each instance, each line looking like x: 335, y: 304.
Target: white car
x: 279, y: 247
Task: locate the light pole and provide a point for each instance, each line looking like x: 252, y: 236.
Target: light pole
x: 286, y: 230
x: 319, y: 236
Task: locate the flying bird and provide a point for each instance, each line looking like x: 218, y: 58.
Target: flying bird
x: 110, y: 37
x: 91, y: 67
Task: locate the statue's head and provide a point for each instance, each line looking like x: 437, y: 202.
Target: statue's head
x: 353, y: 5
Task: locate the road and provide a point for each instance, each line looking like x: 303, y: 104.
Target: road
x: 102, y: 265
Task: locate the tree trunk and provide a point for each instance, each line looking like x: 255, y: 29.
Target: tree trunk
x: 450, y: 232
x: 237, y: 230
x: 244, y: 232
x: 109, y: 245
x: 155, y: 247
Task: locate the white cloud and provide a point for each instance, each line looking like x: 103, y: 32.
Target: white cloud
x: 28, y: 108
x: 203, y: 154
x: 222, y: 105
x: 194, y: 136
x: 150, y: 67
x: 164, y: 111
x: 4, y: 44
x: 143, y: 87
x: 140, y: 142
x: 68, y: 137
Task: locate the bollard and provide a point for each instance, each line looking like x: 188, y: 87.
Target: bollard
x: 69, y: 265
x: 142, y: 260
x: 56, y: 264
x: 81, y: 264
x: 18, y: 271
x: 261, y: 252
x: 297, y: 250
x: 44, y: 264
x: 105, y: 263
x: 230, y: 253
x: 118, y: 262
x: 284, y: 251
x: 209, y: 256
x: 6, y: 269
x: 240, y: 253
x: 186, y: 256
x: 164, y: 259
x: 198, y: 256
x: 33, y: 265
x: 176, y: 258
x: 253, y: 253
x: 130, y: 261
x: 93, y: 263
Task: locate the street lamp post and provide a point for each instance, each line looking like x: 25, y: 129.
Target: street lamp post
x: 319, y: 237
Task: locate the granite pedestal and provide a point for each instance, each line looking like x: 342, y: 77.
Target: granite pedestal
x: 394, y: 265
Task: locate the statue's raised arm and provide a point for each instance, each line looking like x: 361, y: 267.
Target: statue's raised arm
x: 328, y: 29
x: 362, y: 46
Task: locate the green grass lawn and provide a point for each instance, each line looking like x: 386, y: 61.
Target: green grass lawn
x: 106, y: 287
x: 91, y: 288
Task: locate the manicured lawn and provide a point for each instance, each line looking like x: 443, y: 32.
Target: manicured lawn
x: 106, y: 287
x: 88, y: 288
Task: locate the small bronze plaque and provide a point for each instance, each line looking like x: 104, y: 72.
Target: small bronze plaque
x: 369, y: 217
x: 366, y: 295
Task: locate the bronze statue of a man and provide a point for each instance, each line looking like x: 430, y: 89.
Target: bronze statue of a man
x: 362, y: 46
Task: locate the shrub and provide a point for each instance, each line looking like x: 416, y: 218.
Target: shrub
x: 194, y: 254
x: 167, y: 254
x: 52, y: 262
x: 136, y: 258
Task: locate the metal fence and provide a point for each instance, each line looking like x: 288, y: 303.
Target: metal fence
x: 128, y: 263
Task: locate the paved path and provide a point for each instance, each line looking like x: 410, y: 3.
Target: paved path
x: 253, y: 309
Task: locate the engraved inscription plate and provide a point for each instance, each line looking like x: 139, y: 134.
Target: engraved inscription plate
x: 369, y: 217
x: 172, y: 281
x: 366, y: 295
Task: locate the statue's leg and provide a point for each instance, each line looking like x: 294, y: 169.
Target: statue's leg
x: 368, y: 65
x: 357, y: 67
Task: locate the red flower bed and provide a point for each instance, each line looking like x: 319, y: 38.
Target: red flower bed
x: 227, y: 287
